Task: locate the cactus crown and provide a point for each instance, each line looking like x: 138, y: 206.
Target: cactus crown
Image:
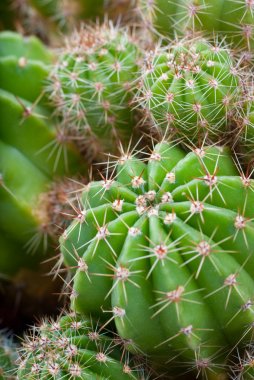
x: 161, y: 245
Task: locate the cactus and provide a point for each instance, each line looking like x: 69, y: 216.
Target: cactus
x: 34, y: 155
x: 233, y: 19
x: 8, y: 355
x: 162, y: 247
x: 74, y: 348
x: 47, y: 19
x: 190, y: 88
x: 91, y: 85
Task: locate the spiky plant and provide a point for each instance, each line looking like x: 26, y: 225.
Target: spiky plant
x: 164, y: 249
x: 35, y: 156
x: 243, y: 365
x: 232, y: 19
x: 74, y: 348
x: 91, y: 85
x: 8, y: 356
x: 190, y: 88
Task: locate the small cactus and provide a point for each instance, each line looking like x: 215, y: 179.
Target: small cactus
x: 162, y: 247
x: 190, y: 88
x: 74, y: 348
x: 232, y: 19
x: 91, y: 85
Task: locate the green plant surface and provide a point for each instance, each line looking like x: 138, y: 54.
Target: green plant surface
x: 164, y: 248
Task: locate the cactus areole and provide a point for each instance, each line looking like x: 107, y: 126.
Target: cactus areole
x: 165, y: 249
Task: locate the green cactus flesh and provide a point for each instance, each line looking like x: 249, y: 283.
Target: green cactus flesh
x: 165, y: 249
x: 91, y: 84
x: 233, y: 19
x: 190, y: 88
x: 32, y: 151
x: 74, y: 348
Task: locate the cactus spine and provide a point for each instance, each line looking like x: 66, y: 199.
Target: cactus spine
x: 232, y: 19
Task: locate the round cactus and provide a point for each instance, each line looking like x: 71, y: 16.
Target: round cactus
x: 233, y: 19
x: 34, y: 154
x: 74, y: 348
x: 165, y: 250
x: 91, y: 85
x: 190, y: 88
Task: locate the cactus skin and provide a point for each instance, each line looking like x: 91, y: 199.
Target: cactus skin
x: 90, y: 85
x: 151, y: 237
x: 74, y: 348
x: 190, y: 88
x: 33, y: 154
x: 8, y: 355
x: 233, y: 19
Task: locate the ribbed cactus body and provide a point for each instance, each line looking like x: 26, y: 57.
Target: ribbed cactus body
x: 190, y: 88
x: 165, y: 249
x: 74, y: 348
x: 32, y: 151
x: 231, y: 18
x: 91, y: 84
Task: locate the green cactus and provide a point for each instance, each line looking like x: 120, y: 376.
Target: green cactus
x: 233, y: 19
x: 8, y: 356
x: 91, y: 85
x: 33, y: 153
x: 74, y: 348
x: 190, y: 88
x: 165, y: 249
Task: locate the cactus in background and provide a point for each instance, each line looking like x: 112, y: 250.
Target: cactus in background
x: 190, y: 88
x: 74, y: 348
x: 91, y: 85
x: 48, y: 19
x: 232, y: 19
x: 161, y: 247
x: 34, y: 155
x: 8, y: 355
